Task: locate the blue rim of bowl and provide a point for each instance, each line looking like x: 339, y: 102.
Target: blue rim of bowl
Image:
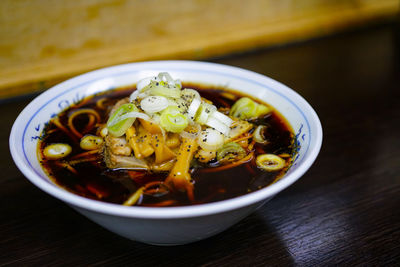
x: 170, y: 212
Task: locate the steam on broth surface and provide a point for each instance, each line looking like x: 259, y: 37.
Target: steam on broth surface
x: 162, y: 144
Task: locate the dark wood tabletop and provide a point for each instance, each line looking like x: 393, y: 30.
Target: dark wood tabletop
x: 344, y: 211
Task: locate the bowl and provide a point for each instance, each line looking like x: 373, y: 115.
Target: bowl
x: 165, y: 225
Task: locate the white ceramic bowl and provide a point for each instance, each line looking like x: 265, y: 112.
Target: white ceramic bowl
x: 171, y: 225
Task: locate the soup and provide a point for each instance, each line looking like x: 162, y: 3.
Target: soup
x: 166, y: 143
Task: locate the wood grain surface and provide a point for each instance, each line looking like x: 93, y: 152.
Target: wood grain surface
x: 344, y: 211
x: 43, y: 41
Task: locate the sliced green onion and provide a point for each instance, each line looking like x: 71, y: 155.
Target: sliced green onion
x: 158, y: 83
x: 179, y: 103
x: 270, y: 162
x: 172, y: 120
x: 162, y: 90
x: 143, y: 95
x: 262, y: 110
x: 193, y: 132
x: 258, y: 134
x: 245, y: 108
x: 230, y: 152
x: 210, y: 139
x: 203, y: 112
x: 189, y: 94
x: 91, y: 142
x: 222, y: 118
x: 129, y: 115
x: 57, y: 151
x: 145, y: 82
x: 153, y: 104
x: 155, y: 118
x: 218, y: 125
x: 187, y: 135
x: 178, y: 83
x: 118, y: 123
x: 134, y: 95
x: 194, y: 106
x: 104, y: 132
x: 166, y: 78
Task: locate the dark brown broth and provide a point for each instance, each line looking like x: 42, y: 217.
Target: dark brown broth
x: 95, y: 181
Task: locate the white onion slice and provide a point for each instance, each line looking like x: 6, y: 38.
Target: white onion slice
x: 222, y: 118
x: 197, y: 126
x: 258, y: 134
x: 153, y: 104
x: 164, y: 134
x: 205, y: 111
x: 210, y: 139
x: 187, y: 135
x: 143, y: 95
x: 194, y: 106
x: 178, y: 83
x: 134, y: 95
x: 188, y: 94
x: 155, y: 118
x: 132, y: 114
x: 164, y: 76
x: 218, y: 125
x: 172, y: 102
x: 194, y: 134
x: 144, y: 82
x: 202, y: 117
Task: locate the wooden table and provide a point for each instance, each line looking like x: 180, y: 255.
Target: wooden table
x: 345, y: 210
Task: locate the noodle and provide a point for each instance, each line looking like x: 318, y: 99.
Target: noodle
x: 100, y: 103
x: 229, y: 166
x: 90, y: 125
x: 66, y: 166
x: 87, y: 153
x: 134, y: 197
x: 160, y: 188
x: 79, y: 112
x: 57, y: 123
x: 245, y: 137
x: 251, y: 145
x: 77, y: 161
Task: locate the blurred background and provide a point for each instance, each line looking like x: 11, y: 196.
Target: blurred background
x: 342, y: 56
x: 43, y: 42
